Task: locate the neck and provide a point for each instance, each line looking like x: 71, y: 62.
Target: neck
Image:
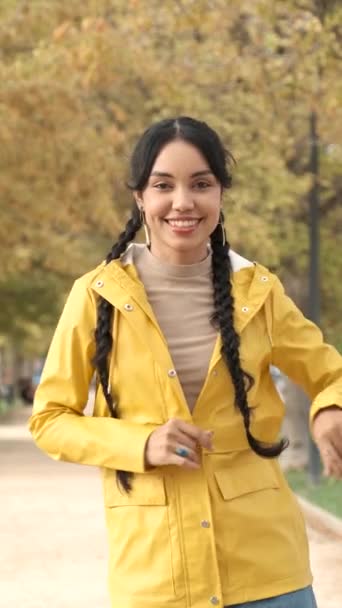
x: 178, y: 257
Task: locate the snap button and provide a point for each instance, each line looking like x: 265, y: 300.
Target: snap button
x: 128, y: 307
x: 245, y: 309
x: 264, y: 278
x: 205, y: 523
x: 172, y: 373
x: 99, y: 283
x: 215, y: 372
x: 214, y: 600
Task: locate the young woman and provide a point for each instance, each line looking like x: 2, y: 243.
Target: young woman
x: 181, y: 333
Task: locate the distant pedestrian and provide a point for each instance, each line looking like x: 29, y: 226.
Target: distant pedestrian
x: 26, y: 390
x: 181, y: 333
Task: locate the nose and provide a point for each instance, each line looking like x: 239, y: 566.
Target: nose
x: 182, y: 200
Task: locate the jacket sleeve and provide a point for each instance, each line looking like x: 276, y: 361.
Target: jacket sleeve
x: 299, y: 350
x: 58, y: 424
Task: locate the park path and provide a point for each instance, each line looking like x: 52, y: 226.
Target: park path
x: 50, y: 510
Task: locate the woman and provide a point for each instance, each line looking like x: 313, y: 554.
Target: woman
x: 186, y: 419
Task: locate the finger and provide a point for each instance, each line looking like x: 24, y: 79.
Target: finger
x: 337, y: 469
x: 336, y: 474
x: 328, y: 453
x: 175, y: 437
x: 336, y: 441
x: 178, y: 437
x: 184, y: 462
x: 204, y: 438
x: 191, y: 454
x: 335, y: 466
x: 333, y: 471
x: 331, y: 459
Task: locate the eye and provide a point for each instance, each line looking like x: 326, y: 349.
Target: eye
x: 202, y: 185
x: 162, y: 186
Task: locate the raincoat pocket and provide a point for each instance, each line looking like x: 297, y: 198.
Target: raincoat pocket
x: 245, y: 480
x: 143, y: 550
x: 250, y: 498
x: 147, y: 489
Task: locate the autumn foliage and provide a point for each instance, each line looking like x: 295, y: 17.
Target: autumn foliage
x: 80, y: 80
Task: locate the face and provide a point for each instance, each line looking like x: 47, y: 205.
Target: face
x: 181, y: 201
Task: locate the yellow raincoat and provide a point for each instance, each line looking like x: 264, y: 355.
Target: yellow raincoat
x: 231, y: 531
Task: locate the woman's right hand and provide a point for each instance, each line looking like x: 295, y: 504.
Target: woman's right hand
x: 162, y: 444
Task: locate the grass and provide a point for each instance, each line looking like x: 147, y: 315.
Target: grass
x: 327, y: 494
x: 3, y: 406
x: 6, y: 407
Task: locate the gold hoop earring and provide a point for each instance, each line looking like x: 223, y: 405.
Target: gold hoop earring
x: 221, y: 224
x: 224, y: 239
x: 145, y: 227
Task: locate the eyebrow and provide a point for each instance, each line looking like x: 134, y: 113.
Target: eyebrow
x: 196, y: 174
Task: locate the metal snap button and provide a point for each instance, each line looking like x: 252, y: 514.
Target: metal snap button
x: 99, y: 283
x: 205, y: 523
x: 215, y: 372
x: 264, y: 278
x: 214, y: 600
x: 128, y: 307
x: 245, y: 309
x: 172, y: 373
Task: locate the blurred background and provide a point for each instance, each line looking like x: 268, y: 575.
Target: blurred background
x: 80, y: 81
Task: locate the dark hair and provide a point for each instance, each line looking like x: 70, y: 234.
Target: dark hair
x: 192, y: 131
x: 200, y: 135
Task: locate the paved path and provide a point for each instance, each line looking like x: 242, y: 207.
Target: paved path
x: 53, y: 549
x: 326, y: 561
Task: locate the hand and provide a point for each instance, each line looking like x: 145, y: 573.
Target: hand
x: 327, y: 433
x: 162, y: 444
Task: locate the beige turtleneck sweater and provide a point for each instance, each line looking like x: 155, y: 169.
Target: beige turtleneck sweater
x: 182, y: 300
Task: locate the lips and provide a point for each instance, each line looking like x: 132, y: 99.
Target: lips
x: 184, y: 223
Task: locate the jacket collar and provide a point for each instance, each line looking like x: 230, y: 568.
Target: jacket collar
x: 237, y: 261
x: 118, y: 282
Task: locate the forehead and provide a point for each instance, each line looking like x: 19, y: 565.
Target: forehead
x: 180, y: 158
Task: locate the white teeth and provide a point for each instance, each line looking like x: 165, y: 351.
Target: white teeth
x: 183, y: 223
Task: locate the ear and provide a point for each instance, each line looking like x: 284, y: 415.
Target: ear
x: 138, y: 198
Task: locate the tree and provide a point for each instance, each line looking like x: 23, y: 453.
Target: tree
x: 83, y: 80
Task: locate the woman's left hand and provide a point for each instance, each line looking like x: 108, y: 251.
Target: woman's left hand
x: 327, y: 434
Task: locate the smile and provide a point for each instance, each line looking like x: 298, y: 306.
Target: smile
x: 183, y: 223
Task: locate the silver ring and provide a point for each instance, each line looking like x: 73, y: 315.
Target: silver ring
x: 182, y: 452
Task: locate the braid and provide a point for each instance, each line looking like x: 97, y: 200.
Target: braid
x: 103, y: 331
x: 223, y: 318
